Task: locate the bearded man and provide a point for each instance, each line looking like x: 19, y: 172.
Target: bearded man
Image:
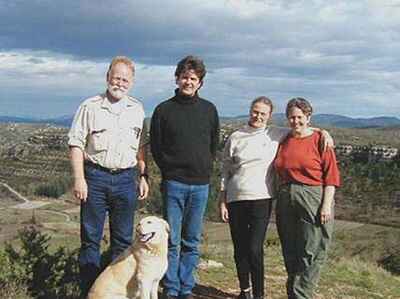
x: 109, y: 168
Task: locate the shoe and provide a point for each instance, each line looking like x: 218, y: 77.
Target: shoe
x: 244, y: 295
x: 186, y: 296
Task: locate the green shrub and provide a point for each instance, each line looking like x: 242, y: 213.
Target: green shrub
x: 13, y: 290
x: 46, y: 275
x: 10, y: 276
x: 391, y: 263
x: 54, y: 188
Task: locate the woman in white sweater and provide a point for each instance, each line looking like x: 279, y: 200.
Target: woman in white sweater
x: 247, y: 190
x: 246, y: 193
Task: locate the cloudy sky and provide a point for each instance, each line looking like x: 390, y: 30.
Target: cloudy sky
x: 341, y: 55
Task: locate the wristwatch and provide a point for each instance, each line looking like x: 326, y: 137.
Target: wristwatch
x: 144, y: 175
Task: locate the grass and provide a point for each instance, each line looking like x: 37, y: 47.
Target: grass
x: 20, y: 216
x: 350, y: 273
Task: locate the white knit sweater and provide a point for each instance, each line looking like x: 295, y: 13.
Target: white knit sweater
x: 247, y: 172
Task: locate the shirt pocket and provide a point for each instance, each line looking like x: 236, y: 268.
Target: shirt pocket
x: 133, y: 135
x: 99, y: 139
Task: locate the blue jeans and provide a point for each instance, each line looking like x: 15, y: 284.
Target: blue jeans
x: 183, y: 207
x: 116, y: 195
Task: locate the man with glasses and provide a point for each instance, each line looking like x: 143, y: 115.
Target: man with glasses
x: 108, y: 165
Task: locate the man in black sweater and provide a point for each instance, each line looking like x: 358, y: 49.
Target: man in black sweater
x: 184, y: 136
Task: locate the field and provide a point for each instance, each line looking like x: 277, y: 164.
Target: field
x: 352, y: 270
x: 34, y: 155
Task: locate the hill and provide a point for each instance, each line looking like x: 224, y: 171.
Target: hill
x: 323, y: 120
x: 64, y: 121
x: 330, y: 120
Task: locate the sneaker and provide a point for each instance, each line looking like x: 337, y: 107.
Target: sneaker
x: 244, y: 295
x: 186, y: 296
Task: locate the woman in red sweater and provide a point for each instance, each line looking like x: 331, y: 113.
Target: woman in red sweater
x: 304, y: 210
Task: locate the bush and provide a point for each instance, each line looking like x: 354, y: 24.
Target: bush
x: 54, y: 188
x: 46, y: 275
x: 11, y: 285
x: 391, y: 263
x: 13, y: 290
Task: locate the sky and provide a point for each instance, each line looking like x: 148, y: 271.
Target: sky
x: 343, y: 56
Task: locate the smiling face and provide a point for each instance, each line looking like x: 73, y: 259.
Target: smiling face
x: 119, y: 81
x: 298, y: 121
x: 188, y: 83
x: 260, y: 113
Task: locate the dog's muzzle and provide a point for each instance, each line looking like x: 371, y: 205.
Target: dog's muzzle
x: 144, y: 238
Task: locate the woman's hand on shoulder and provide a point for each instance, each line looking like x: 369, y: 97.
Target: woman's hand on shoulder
x: 326, y: 140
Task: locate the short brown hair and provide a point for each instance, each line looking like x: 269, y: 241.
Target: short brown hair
x: 301, y: 104
x: 191, y: 63
x: 122, y: 59
x: 264, y: 100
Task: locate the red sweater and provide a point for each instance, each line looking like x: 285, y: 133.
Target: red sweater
x: 299, y: 160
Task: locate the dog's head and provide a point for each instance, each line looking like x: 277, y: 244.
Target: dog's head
x: 152, y: 230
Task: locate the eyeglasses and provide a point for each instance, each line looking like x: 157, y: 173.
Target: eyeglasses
x: 120, y: 80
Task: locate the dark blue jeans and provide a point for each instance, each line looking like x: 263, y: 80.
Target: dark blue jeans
x: 183, y: 207
x: 112, y: 194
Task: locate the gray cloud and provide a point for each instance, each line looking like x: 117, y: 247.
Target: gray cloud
x: 341, y: 54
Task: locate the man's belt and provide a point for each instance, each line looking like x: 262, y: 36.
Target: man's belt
x: 105, y: 169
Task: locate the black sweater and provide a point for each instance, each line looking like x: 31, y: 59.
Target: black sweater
x: 184, y: 136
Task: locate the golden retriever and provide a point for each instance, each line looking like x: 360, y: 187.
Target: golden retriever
x: 137, y: 272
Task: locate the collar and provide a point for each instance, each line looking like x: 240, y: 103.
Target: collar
x: 182, y: 99
x: 122, y: 103
x: 250, y: 129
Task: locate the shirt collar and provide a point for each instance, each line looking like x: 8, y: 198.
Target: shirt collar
x: 122, y: 103
x: 251, y: 129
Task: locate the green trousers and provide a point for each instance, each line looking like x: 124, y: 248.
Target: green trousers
x: 305, y: 241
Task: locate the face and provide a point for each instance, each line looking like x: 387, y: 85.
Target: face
x: 298, y: 121
x: 188, y: 83
x: 260, y: 113
x: 119, y: 81
x: 152, y: 229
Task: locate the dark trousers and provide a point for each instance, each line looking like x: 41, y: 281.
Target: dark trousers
x: 248, y: 221
x: 112, y: 194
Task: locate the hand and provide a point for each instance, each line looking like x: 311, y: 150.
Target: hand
x: 143, y: 188
x: 326, y: 140
x: 223, y: 210
x: 326, y: 213
x: 80, y: 189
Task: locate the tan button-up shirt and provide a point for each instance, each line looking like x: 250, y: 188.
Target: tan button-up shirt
x: 109, y: 134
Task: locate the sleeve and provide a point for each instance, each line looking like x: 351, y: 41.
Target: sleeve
x: 79, y: 131
x: 227, y: 164
x: 330, y: 167
x: 156, y: 138
x: 215, y: 134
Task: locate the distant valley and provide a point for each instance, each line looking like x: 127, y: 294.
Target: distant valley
x: 323, y: 120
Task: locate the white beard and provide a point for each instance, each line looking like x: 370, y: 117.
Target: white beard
x: 117, y: 92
